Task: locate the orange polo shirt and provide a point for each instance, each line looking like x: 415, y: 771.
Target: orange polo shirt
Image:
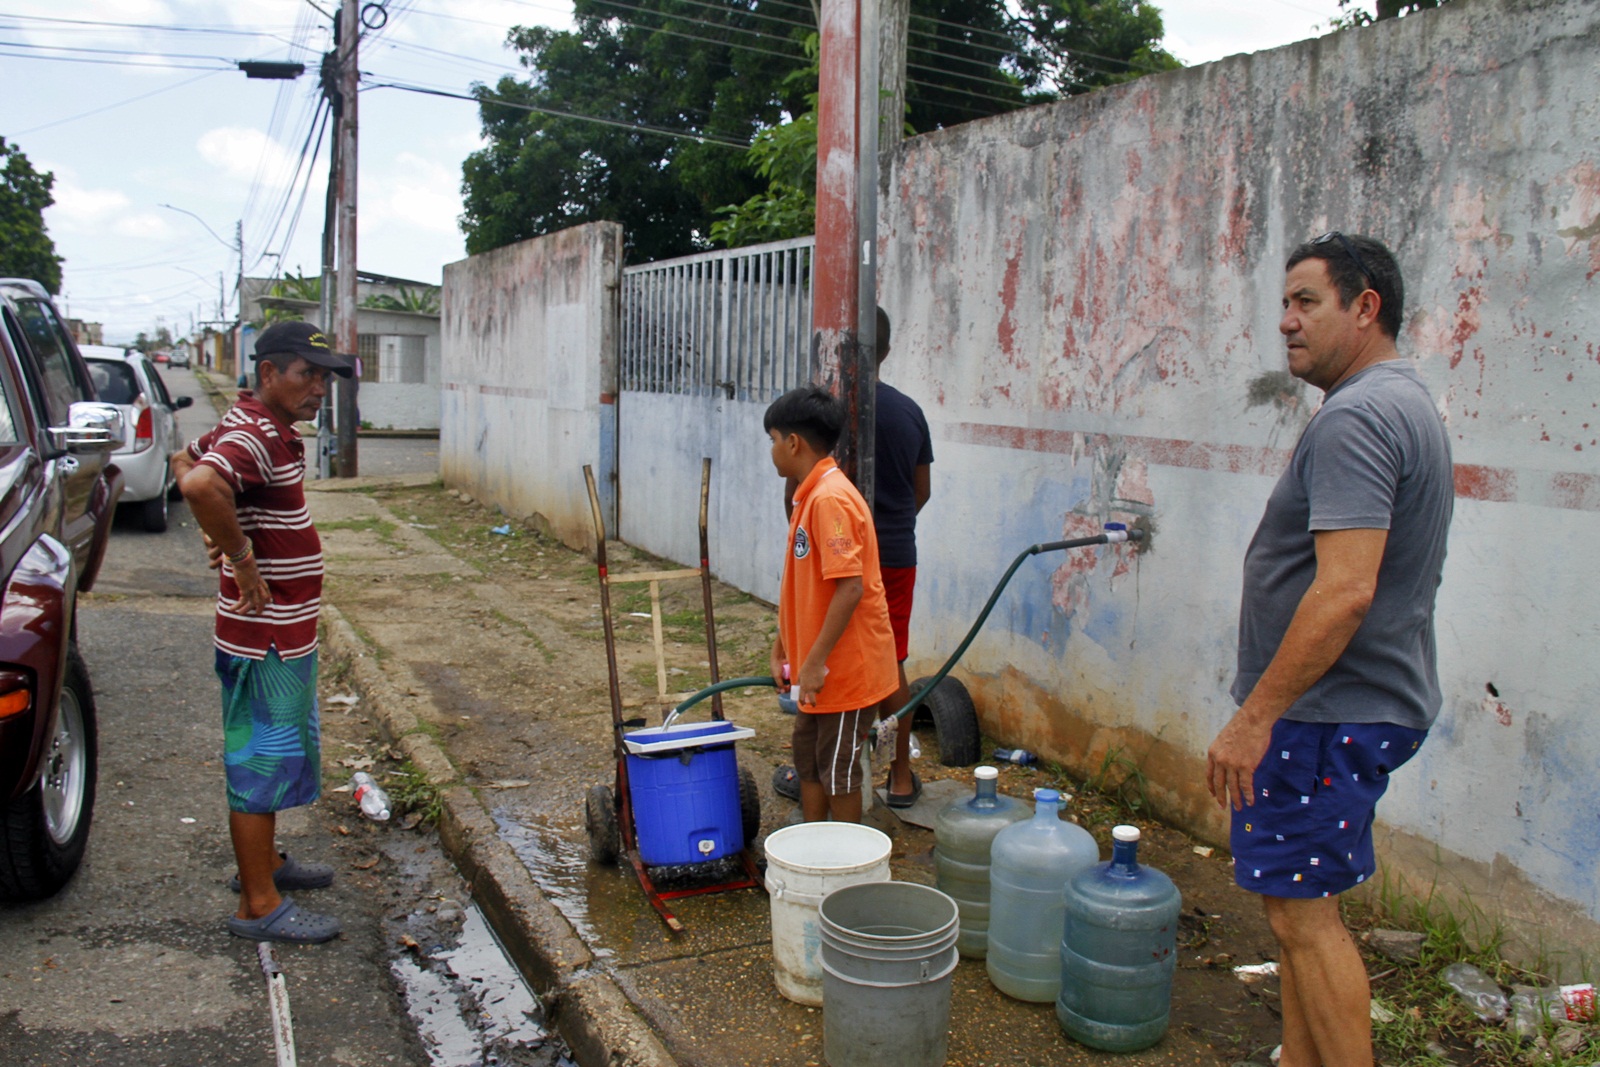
x: 831, y: 537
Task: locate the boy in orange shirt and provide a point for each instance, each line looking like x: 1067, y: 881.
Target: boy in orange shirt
x: 833, y: 617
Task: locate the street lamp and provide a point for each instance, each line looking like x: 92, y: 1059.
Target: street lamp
x: 237, y: 246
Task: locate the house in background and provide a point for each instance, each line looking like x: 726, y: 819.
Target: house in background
x: 397, y: 324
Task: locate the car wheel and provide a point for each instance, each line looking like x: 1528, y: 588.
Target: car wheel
x: 153, y: 514
x: 44, y: 831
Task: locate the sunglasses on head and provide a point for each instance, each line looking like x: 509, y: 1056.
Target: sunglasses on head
x: 1350, y: 250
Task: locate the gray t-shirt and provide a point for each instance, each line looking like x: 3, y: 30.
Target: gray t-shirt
x: 1375, y: 456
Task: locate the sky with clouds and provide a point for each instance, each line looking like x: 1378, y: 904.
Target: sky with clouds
x: 131, y: 112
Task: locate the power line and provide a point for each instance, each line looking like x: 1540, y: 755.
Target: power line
x: 221, y: 31
x: 113, y: 62
x: 119, y: 103
x: 638, y: 127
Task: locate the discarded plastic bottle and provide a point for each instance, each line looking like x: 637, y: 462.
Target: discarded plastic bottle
x: 1480, y: 992
x: 963, y: 832
x: 370, y: 795
x: 1029, y: 864
x: 1118, y: 948
x: 1020, y: 756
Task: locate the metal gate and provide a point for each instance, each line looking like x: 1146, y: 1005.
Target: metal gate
x: 736, y: 322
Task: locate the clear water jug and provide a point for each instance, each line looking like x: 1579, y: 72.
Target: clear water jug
x: 1029, y: 865
x: 1117, y: 951
x: 962, y: 834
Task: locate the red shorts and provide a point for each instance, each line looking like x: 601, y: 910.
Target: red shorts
x: 897, y: 585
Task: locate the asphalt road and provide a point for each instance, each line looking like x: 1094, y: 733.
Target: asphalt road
x: 131, y: 964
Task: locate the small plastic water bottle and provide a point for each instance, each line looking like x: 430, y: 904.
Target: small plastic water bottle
x: 373, y: 800
x: 1020, y: 756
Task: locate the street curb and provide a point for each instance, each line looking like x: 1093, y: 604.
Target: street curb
x: 583, y: 1004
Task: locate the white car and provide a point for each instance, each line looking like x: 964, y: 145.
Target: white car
x: 129, y: 380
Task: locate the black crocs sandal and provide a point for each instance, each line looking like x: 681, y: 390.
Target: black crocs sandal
x: 786, y: 783
x: 902, y: 800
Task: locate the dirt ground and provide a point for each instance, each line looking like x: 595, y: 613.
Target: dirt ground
x: 499, y: 639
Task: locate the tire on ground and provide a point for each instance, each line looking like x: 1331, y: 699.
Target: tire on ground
x: 955, y: 721
x: 153, y: 514
x: 600, y: 819
x: 36, y: 861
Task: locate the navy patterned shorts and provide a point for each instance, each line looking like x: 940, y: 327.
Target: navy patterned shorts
x: 1309, y: 833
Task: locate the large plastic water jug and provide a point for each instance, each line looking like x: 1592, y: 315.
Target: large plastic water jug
x: 1029, y: 865
x: 963, y: 832
x: 1117, y: 951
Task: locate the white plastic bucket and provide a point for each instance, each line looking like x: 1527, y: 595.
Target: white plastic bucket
x: 804, y: 864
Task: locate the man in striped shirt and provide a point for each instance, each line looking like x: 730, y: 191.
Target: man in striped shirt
x: 243, y: 481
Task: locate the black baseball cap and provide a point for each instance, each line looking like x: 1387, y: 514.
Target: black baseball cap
x: 302, y: 339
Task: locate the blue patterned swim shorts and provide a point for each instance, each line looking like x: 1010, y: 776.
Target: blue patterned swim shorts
x: 1309, y: 833
x: 272, y: 746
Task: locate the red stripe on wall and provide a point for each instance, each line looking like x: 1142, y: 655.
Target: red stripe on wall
x: 1566, y: 490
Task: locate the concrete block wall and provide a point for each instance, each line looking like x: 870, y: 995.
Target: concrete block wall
x: 529, y: 373
x: 1085, y: 300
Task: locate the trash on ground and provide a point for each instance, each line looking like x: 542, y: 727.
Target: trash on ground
x: 504, y: 529
x: 1204, y: 850
x: 1395, y: 944
x: 1532, y: 1007
x: 187, y: 821
x: 1380, y: 1014
x: 344, y: 700
x: 1482, y: 995
x: 1254, y: 972
x: 510, y: 783
x: 639, y: 615
x: 1580, y: 1002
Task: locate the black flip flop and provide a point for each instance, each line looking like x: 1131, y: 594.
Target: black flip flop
x: 902, y: 800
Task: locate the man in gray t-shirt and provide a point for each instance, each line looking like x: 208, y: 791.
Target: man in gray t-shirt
x: 1337, y: 684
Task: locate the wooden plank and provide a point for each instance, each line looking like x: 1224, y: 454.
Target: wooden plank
x: 651, y: 576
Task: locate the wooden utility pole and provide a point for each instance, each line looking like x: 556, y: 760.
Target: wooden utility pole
x: 346, y: 337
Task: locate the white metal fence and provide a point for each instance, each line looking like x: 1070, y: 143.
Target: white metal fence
x: 736, y: 322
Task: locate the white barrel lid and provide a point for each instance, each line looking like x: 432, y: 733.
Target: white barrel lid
x: 1125, y: 833
x: 985, y: 773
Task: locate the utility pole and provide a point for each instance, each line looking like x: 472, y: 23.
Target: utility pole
x: 845, y: 294
x: 346, y: 338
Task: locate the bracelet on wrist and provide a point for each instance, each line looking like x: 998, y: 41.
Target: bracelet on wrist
x: 243, y: 554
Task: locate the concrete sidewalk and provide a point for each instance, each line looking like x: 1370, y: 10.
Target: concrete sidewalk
x: 480, y: 655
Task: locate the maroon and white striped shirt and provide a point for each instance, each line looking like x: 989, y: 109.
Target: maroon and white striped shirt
x: 265, y: 462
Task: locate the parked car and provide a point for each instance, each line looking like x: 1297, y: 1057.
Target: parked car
x: 179, y: 358
x: 57, y: 492
x: 126, y: 378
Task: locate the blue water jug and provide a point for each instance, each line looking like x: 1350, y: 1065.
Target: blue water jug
x: 1117, y: 951
x: 963, y: 832
x: 1029, y: 864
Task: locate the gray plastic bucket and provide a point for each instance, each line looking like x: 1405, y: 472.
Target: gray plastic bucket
x: 888, y: 953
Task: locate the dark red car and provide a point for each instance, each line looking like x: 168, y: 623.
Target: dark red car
x: 58, y: 492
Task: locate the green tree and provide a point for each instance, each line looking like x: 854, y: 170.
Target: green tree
x: 1052, y: 48
x: 26, y: 250
x: 1075, y: 46
x: 1356, y: 13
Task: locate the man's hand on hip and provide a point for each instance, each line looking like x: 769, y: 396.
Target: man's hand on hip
x: 1232, y: 760
x: 253, y: 592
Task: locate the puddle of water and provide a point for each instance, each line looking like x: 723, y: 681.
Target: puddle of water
x: 471, y: 1006
x: 559, y: 867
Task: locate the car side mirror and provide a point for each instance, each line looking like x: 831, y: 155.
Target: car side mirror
x: 92, y: 428
x: 182, y: 402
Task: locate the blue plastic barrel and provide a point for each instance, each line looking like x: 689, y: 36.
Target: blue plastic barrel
x: 1117, y: 951
x: 684, y: 784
